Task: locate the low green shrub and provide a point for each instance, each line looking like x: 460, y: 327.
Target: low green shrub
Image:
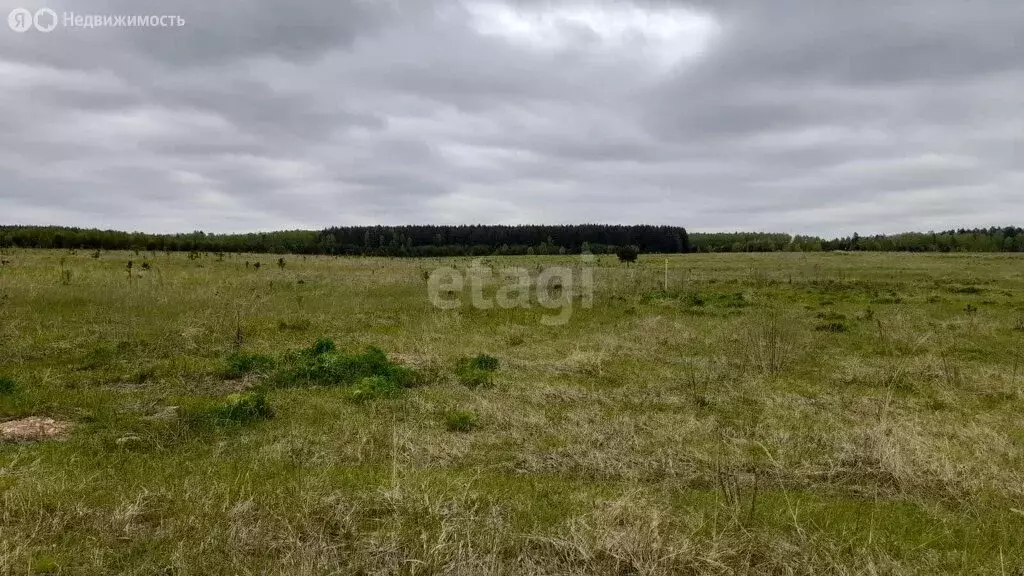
x: 324, y: 365
x: 7, y: 386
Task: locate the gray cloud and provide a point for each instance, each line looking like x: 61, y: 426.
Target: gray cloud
x: 812, y: 117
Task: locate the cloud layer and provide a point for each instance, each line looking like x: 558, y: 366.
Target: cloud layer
x: 822, y: 116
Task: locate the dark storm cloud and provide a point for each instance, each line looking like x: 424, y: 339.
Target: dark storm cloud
x: 822, y: 117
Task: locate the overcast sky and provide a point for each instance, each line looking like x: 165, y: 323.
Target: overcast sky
x: 809, y: 116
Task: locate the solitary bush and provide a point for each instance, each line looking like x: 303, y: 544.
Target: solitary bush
x: 323, y: 365
x: 239, y: 365
x: 460, y: 421
x: 769, y: 343
x: 627, y: 254
x: 7, y: 386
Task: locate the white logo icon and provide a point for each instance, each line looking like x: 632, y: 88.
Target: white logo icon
x: 45, y: 20
x: 20, y: 20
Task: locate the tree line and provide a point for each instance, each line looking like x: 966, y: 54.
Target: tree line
x: 1008, y: 239
x: 466, y: 240
x: 484, y: 240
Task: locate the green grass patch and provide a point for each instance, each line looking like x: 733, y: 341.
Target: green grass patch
x: 239, y: 408
x: 476, y: 371
x: 324, y: 365
x: 373, y: 388
x: 460, y: 420
x: 239, y: 364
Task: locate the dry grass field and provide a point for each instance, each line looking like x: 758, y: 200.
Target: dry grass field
x: 707, y: 414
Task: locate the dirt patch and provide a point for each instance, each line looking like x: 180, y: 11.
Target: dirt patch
x: 33, y: 428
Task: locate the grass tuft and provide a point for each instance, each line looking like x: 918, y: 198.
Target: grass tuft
x: 373, y: 388
x: 324, y: 365
x: 239, y: 364
x: 324, y: 346
x: 477, y: 371
x: 484, y: 362
x: 460, y: 421
x: 242, y: 407
x: 834, y: 326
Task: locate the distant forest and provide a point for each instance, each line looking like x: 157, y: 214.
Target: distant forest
x: 1008, y: 239
x: 482, y: 240
x: 475, y: 240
